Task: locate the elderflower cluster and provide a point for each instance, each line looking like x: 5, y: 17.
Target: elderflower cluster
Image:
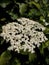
x: 23, y: 34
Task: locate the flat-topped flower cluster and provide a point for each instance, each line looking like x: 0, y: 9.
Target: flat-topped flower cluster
x: 23, y: 34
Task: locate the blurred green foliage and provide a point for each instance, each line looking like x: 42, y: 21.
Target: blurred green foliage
x: 4, y: 58
x: 37, y: 10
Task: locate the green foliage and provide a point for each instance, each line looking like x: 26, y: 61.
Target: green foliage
x: 32, y: 57
x: 4, y: 1
x: 23, y: 9
x: 34, y: 9
x: 16, y: 62
x: 5, y: 57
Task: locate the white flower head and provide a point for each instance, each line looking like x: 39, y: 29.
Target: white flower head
x: 23, y: 36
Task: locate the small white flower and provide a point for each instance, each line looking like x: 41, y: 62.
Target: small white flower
x: 23, y: 36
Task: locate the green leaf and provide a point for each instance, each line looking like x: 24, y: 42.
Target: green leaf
x: 4, y: 4
x: 22, y: 8
x: 43, y: 46
x: 45, y: 1
x: 16, y: 62
x: 32, y: 57
x: 36, y: 4
x: 36, y: 0
x: 13, y: 16
x: 46, y: 31
x: 47, y: 60
x: 5, y: 57
x: 42, y: 18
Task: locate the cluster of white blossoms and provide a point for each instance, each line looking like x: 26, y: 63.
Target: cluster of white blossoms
x: 23, y: 35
